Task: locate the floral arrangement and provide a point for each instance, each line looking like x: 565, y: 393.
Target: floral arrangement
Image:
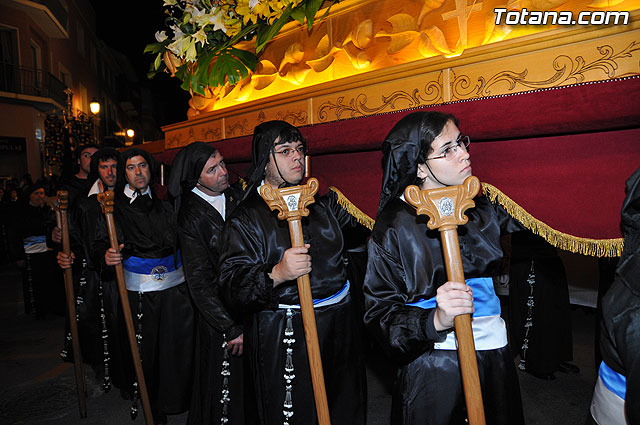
x: 198, y: 44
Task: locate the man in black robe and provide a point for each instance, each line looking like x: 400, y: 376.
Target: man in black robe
x: 97, y: 302
x: 161, y: 308
x: 410, y: 305
x: 78, y: 184
x: 616, y: 399
x: 258, y: 272
x: 42, y: 281
x: 200, y: 185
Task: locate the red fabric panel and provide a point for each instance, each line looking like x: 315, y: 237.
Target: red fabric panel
x: 574, y: 184
x: 562, y: 154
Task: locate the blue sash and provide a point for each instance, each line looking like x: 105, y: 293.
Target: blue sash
x: 153, y: 274
x: 615, y: 382
x: 489, y: 330
x: 330, y: 300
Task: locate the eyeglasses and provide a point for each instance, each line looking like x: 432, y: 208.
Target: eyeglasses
x: 450, y: 152
x: 287, y: 152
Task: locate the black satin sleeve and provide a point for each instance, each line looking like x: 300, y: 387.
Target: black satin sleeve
x: 404, y: 332
x: 244, y: 267
x: 199, y: 239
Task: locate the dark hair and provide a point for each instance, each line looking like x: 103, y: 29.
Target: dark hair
x: 84, y: 147
x: 431, y: 126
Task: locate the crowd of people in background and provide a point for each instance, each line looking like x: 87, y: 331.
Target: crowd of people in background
x: 210, y: 276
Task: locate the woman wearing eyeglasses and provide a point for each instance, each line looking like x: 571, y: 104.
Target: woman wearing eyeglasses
x: 410, y: 305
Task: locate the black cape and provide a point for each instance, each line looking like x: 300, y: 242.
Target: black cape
x: 620, y: 325
x: 406, y: 265
x: 147, y: 229
x: 200, y: 230
x: 254, y: 241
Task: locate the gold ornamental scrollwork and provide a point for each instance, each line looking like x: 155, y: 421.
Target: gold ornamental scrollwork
x: 357, y: 106
x: 567, y: 71
x: 239, y: 128
x: 295, y: 118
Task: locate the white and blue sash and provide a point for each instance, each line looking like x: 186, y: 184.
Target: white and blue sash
x: 35, y: 244
x: 152, y: 274
x: 607, y: 405
x: 330, y: 300
x: 489, y: 330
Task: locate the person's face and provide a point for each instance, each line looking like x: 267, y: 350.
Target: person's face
x: 449, y: 171
x: 138, y: 173
x: 36, y: 198
x: 214, y: 178
x: 13, y: 195
x: 290, y: 159
x: 107, y: 172
x: 85, y: 159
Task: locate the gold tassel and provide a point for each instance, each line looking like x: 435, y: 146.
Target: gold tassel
x: 585, y: 246
x: 346, y: 204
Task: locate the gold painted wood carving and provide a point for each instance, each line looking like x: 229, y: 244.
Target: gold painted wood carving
x: 566, y: 70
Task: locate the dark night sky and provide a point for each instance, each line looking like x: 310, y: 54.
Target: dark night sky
x: 128, y: 29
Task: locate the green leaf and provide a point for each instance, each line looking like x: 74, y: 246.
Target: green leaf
x: 265, y: 36
x: 157, y: 62
x: 310, y: 11
x: 298, y: 14
x: 247, y: 58
x: 154, y: 48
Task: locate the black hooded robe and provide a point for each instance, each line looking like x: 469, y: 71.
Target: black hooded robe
x: 200, y: 229
x: 254, y: 241
x: 164, y: 318
x: 406, y: 265
x: 620, y: 323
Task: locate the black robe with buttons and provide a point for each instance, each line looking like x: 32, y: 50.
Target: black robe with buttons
x: 200, y: 230
x: 165, y: 318
x: 253, y: 243
x: 406, y: 265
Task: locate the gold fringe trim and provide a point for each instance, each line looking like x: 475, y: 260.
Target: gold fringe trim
x: 585, y: 246
x: 348, y: 206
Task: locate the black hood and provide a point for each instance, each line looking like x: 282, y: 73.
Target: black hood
x: 264, y: 137
x: 406, y: 146
x: 186, y: 169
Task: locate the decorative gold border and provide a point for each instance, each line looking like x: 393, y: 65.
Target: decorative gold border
x: 567, y: 71
x: 585, y: 246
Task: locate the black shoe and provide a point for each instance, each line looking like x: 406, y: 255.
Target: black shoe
x: 568, y: 368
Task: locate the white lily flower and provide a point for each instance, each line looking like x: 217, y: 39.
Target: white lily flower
x: 181, y: 46
x: 191, y: 53
x: 201, y: 37
x: 217, y: 22
x: 177, y: 32
x: 161, y: 36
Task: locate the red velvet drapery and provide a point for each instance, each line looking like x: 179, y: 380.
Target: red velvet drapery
x: 562, y: 154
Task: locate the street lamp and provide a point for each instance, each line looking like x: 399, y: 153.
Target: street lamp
x: 94, y: 106
x: 130, y: 133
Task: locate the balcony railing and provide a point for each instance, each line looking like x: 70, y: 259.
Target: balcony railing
x: 32, y: 82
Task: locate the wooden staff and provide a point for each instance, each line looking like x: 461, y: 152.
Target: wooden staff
x: 61, y: 205
x: 291, y: 202
x: 445, y: 208
x: 105, y: 200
